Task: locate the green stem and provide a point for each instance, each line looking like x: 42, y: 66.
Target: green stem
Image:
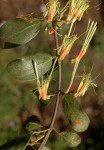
x: 73, y: 75
x: 53, y: 68
x: 71, y: 26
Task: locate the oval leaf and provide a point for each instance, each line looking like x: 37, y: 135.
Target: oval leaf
x: 80, y: 121
x: 70, y: 138
x: 18, y: 31
x: 23, y: 69
x: 76, y: 116
x: 17, y: 144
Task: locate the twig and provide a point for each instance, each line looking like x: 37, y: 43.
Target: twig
x: 57, y: 97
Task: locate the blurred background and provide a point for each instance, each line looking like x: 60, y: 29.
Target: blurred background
x: 17, y: 101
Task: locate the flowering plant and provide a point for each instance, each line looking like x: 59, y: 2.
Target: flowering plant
x: 40, y: 67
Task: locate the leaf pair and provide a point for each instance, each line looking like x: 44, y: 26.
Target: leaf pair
x: 77, y: 118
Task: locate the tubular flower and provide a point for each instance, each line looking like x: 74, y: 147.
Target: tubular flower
x: 52, y: 8
x: 89, y: 34
x: 91, y: 28
x: 77, y: 9
x: 85, y: 83
x: 66, y: 46
x: 42, y: 86
x: 42, y: 89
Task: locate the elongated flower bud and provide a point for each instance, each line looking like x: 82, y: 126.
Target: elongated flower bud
x: 52, y: 8
x: 66, y: 46
x: 89, y: 34
x: 42, y: 86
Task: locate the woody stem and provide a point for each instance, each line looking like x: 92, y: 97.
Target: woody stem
x: 51, y: 127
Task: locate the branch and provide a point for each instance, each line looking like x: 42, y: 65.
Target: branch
x: 57, y: 97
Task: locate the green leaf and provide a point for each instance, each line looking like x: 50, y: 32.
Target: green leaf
x: 18, y: 31
x: 70, y: 138
x: 22, y: 69
x: 17, y: 144
x: 80, y: 121
x: 76, y: 116
x: 32, y: 123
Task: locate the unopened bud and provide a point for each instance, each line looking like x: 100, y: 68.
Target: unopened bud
x: 42, y: 86
x: 43, y: 90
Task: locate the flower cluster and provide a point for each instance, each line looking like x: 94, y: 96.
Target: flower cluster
x: 91, y: 28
